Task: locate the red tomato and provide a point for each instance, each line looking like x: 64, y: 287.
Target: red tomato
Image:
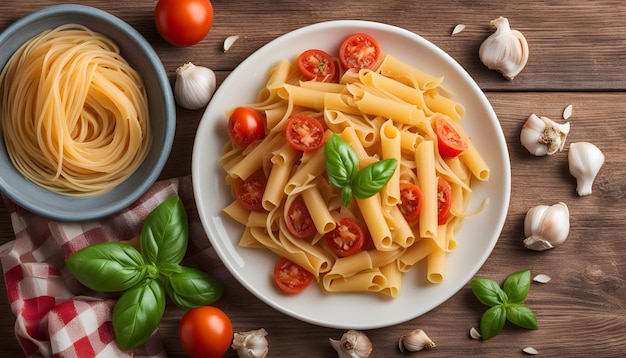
x: 359, y: 51
x: 444, y: 200
x: 347, y: 238
x: 245, y: 126
x: 304, y: 133
x: 410, y: 202
x: 249, y: 192
x: 449, y: 141
x: 183, y: 22
x: 291, y: 277
x: 205, y: 332
x: 317, y: 65
x: 299, y: 221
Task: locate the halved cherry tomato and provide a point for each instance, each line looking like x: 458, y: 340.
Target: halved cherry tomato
x: 304, y: 133
x: 183, y: 22
x: 410, y: 201
x: 299, y: 221
x: 206, y: 332
x: 249, y: 192
x: 347, y: 238
x: 291, y: 277
x: 317, y: 65
x: 449, y: 141
x: 444, y: 200
x: 359, y: 51
x: 245, y: 126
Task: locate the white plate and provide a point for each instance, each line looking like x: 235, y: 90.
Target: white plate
x: 253, y: 267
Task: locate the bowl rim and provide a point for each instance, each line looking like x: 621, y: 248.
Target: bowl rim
x: 111, y: 202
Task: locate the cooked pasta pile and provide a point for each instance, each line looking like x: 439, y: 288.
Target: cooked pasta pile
x: 73, y: 113
x: 382, y: 113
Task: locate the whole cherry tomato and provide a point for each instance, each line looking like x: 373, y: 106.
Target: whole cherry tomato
x: 183, y: 22
x: 206, y: 332
x: 245, y: 126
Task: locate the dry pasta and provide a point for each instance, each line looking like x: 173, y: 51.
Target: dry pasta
x: 73, y: 113
x: 381, y: 113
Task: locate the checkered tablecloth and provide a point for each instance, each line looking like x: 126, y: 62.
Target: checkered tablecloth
x: 55, y: 315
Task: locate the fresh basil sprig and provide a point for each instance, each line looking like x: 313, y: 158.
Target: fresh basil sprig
x: 342, y: 168
x: 506, y: 303
x: 147, y: 277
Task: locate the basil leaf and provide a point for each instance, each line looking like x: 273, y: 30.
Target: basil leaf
x: 516, y: 286
x: 371, y: 179
x: 164, y: 233
x: 108, y: 266
x: 191, y: 288
x: 137, y: 314
x: 492, y: 322
x: 342, y: 163
x: 522, y: 316
x: 346, y: 195
x: 488, y: 292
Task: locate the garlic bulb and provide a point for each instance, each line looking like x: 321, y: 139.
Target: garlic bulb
x: 415, y: 341
x: 194, y: 86
x: 505, y: 50
x: 546, y: 226
x: 541, y: 135
x: 251, y: 344
x: 585, y: 161
x: 353, y: 344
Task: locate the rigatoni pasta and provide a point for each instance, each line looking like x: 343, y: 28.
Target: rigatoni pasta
x: 383, y: 112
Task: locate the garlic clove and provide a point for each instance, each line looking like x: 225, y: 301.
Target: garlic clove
x: 353, y: 344
x: 458, y: 29
x: 415, y: 341
x: 546, y: 227
x: 505, y: 51
x: 585, y: 161
x: 543, y: 136
x: 194, y: 86
x: 229, y: 41
x: 251, y: 344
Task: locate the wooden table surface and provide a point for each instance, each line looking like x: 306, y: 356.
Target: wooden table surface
x: 577, y: 56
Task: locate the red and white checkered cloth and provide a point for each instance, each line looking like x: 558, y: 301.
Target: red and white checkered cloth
x: 55, y: 315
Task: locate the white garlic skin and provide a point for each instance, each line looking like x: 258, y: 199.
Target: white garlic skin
x: 415, y: 341
x: 353, y: 344
x: 251, y: 344
x: 194, y: 86
x: 543, y: 136
x: 546, y: 227
x: 585, y: 161
x: 505, y: 51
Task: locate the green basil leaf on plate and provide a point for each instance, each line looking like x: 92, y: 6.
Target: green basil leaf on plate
x: 373, y: 178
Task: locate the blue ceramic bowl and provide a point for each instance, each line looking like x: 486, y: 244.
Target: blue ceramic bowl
x: 141, y: 56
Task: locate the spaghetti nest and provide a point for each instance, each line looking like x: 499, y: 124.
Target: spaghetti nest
x: 73, y: 112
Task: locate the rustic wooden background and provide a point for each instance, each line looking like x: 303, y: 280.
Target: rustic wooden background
x: 577, y: 56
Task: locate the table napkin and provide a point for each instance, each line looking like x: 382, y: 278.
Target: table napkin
x: 56, y: 316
